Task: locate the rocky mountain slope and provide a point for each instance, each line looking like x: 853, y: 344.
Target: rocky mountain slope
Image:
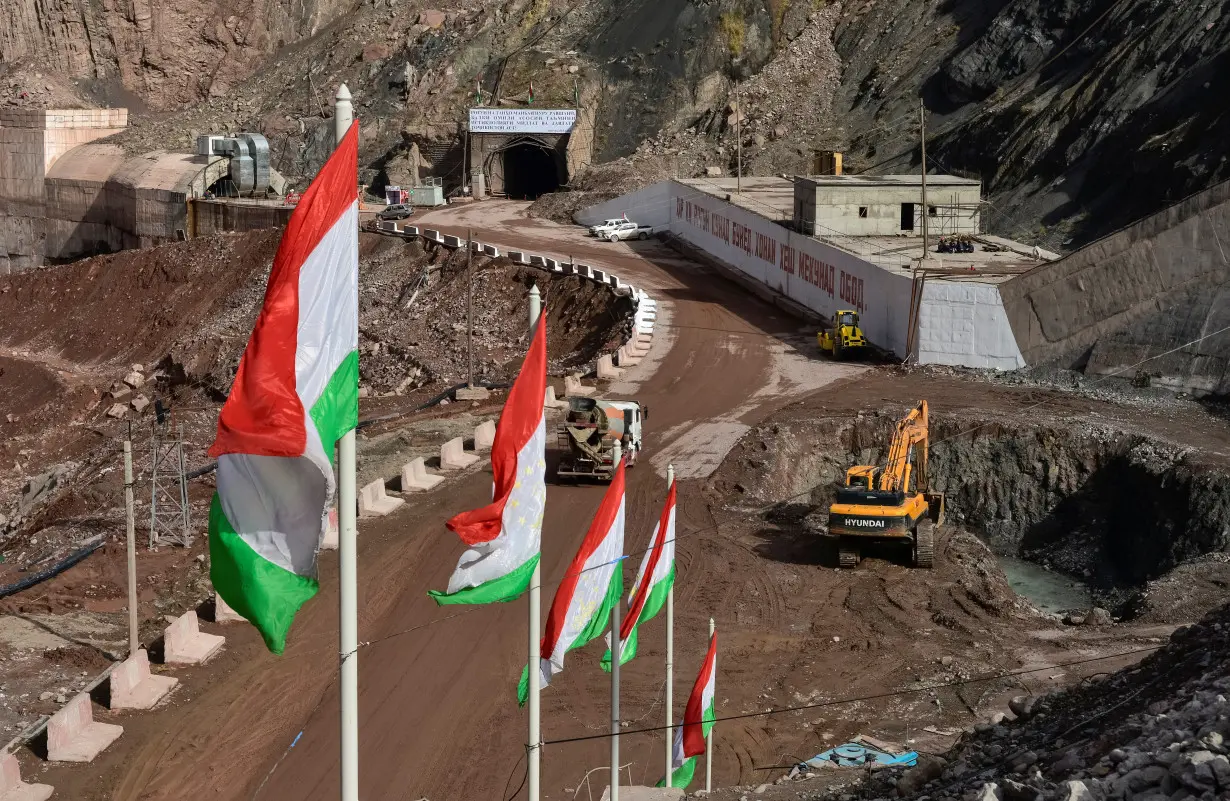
x: 1079, y: 116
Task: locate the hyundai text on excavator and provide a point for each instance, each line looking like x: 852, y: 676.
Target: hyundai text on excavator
x: 890, y: 503
x: 844, y: 338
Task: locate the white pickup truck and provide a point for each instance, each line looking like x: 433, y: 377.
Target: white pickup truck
x: 628, y: 230
x: 603, y: 227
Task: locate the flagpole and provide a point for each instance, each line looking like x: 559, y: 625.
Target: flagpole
x: 709, y: 736
x: 615, y: 660
x: 670, y: 649
x: 348, y: 573
x: 534, y: 748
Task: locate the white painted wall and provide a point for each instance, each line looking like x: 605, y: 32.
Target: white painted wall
x: 961, y: 323
x: 964, y: 323
x: 648, y: 206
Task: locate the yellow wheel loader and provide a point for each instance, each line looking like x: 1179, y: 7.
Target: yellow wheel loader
x: 843, y: 338
x: 890, y: 503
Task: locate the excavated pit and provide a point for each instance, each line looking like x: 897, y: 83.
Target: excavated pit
x: 1142, y: 524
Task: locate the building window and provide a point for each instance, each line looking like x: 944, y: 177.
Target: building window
x: 931, y: 211
x: 862, y: 212
x: 907, y: 216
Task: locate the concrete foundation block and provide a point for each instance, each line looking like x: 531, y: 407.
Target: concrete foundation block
x: 374, y: 502
x: 415, y: 478
x: 606, y: 368
x: 223, y: 612
x: 329, y: 543
x: 549, y: 400
x: 453, y: 455
x: 627, y: 793
x: 12, y: 788
x: 484, y: 436
x: 134, y: 687
x: 74, y: 736
x: 185, y: 644
x: 472, y: 394
x: 573, y: 388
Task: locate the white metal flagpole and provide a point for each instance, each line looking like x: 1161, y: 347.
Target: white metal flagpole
x: 709, y: 737
x: 535, y: 741
x: 348, y: 572
x: 615, y: 699
x: 670, y: 653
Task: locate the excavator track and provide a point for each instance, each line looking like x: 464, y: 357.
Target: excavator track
x: 924, y: 544
x: 847, y: 557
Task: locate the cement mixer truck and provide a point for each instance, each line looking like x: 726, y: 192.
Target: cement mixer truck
x: 593, y: 432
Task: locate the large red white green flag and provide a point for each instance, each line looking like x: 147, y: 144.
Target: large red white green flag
x: 296, y: 393
x: 653, y: 584
x: 505, y: 536
x: 589, y: 591
x: 698, y: 719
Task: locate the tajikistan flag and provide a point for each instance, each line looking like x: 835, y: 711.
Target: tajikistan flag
x: 653, y: 584
x: 505, y: 536
x: 697, y: 721
x: 296, y: 393
x: 589, y: 591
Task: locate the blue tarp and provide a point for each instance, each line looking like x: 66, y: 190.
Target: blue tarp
x: 853, y: 754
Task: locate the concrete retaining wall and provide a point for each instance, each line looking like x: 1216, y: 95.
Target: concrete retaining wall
x: 961, y: 323
x: 1058, y: 312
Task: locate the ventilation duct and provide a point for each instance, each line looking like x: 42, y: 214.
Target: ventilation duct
x: 249, y: 158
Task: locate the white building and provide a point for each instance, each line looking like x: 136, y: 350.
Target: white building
x: 885, y: 205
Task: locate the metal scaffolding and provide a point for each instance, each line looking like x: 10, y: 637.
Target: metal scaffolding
x: 169, y: 512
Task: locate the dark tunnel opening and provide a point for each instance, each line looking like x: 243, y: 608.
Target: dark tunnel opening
x: 530, y: 170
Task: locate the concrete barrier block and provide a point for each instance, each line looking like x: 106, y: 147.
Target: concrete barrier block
x: 627, y: 356
x: 549, y: 401
x: 476, y: 246
x: 387, y: 225
x: 415, y: 478
x: 12, y: 788
x: 134, y: 687
x: 451, y: 241
x: 492, y: 251
x: 614, y: 281
x: 550, y: 264
x: 329, y: 542
x: 517, y: 256
x: 590, y: 272
x: 453, y: 455
x: 374, y: 502
x: 410, y: 230
x: 223, y: 612
x: 573, y: 388
x: 185, y: 644
x: 537, y: 260
x: 434, y: 236
x: 558, y: 269
x: 599, y: 276
x: 576, y: 269
x: 606, y: 368
x: 484, y: 436
x: 74, y: 736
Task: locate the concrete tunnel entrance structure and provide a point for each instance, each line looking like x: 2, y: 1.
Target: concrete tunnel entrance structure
x: 520, y: 153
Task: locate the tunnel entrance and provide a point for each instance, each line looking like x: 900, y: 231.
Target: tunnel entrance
x: 531, y: 169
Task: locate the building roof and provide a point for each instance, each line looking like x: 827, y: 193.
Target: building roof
x: 882, y: 181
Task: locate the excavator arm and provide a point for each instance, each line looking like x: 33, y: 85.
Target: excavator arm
x: 909, y: 447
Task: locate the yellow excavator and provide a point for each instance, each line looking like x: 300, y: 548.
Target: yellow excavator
x: 890, y: 503
x: 843, y: 338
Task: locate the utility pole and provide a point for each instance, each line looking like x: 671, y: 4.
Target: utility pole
x: 922, y: 128
x: 133, y: 642
x: 670, y: 653
x: 348, y: 560
x: 615, y: 659
x: 738, y: 138
x: 534, y: 747
x: 470, y: 304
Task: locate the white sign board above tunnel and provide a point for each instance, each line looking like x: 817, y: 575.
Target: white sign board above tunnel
x: 522, y: 120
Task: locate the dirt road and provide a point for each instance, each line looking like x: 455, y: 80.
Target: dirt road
x: 439, y: 718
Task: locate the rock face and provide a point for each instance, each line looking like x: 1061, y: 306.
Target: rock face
x: 170, y: 54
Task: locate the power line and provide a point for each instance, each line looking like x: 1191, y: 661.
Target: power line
x: 860, y: 699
